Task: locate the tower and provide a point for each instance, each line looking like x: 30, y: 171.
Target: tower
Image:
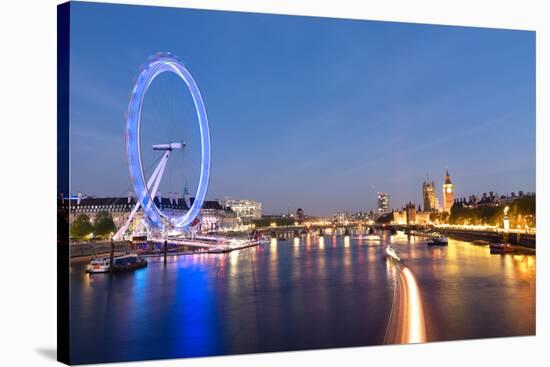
x: 383, y: 203
x: 410, y: 211
x: 428, y: 196
x: 448, y: 193
x: 300, y: 216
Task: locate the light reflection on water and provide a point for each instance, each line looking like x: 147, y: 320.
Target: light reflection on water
x: 346, y: 241
x: 295, y: 294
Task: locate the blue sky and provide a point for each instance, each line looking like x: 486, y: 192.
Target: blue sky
x: 306, y: 112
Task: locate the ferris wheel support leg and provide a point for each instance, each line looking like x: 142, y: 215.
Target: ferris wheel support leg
x: 152, y: 181
x: 158, y: 178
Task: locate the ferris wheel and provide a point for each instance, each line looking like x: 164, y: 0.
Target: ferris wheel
x: 147, y: 190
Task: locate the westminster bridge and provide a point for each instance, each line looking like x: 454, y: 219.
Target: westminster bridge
x: 525, y: 238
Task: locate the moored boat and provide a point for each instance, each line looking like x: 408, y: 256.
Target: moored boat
x: 371, y: 237
x: 265, y: 240
x: 122, y: 263
x: 219, y: 250
x: 399, y: 236
x: 128, y: 262
x: 98, y: 265
x: 437, y: 240
x: 501, y: 248
x: 368, y: 237
x: 480, y: 243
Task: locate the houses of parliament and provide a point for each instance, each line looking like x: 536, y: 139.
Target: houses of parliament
x: 431, y: 202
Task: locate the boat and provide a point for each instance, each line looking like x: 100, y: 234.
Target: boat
x: 368, y: 237
x: 265, y: 240
x: 480, y: 243
x: 122, y: 263
x: 128, y: 262
x: 420, y: 233
x: 501, y: 248
x: 98, y: 265
x: 219, y: 250
x: 371, y: 237
x: 437, y: 240
x: 399, y: 236
x: 392, y: 253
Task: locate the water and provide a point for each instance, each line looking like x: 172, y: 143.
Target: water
x: 291, y: 295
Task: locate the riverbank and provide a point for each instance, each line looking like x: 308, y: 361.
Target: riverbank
x: 88, y: 249
x: 83, y: 251
x: 229, y: 249
x: 521, y: 240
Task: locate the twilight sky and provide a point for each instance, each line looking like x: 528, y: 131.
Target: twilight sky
x: 306, y: 112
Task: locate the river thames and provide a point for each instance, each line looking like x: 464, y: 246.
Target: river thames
x: 307, y: 293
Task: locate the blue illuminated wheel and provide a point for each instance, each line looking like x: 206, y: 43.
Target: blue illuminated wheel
x: 164, y: 62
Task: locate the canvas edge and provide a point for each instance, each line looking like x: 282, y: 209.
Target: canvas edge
x: 63, y: 119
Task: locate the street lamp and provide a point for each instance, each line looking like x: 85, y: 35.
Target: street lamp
x: 506, y: 220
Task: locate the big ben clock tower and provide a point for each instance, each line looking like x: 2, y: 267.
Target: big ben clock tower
x: 448, y: 193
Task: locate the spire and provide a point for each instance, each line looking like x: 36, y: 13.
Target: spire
x: 447, y: 178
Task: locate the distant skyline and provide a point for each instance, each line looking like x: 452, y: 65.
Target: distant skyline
x: 306, y: 112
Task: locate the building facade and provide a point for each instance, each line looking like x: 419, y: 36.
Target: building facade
x: 411, y: 216
x: 341, y: 217
x: 423, y: 218
x: 246, y: 210
x: 410, y: 210
x: 300, y: 215
x: 448, y: 193
x: 213, y: 215
x: 383, y: 203
x: 399, y: 217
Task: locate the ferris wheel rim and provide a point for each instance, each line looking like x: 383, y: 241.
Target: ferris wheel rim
x: 159, y: 63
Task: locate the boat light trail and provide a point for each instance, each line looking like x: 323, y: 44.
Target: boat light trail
x: 415, y: 315
x: 406, y: 322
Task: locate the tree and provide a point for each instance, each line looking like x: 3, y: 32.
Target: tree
x: 522, y: 212
x: 385, y: 218
x: 104, y: 224
x: 82, y: 226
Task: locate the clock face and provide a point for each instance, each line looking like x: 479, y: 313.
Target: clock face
x: 449, y: 190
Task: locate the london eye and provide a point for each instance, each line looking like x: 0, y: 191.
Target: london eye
x: 147, y: 189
